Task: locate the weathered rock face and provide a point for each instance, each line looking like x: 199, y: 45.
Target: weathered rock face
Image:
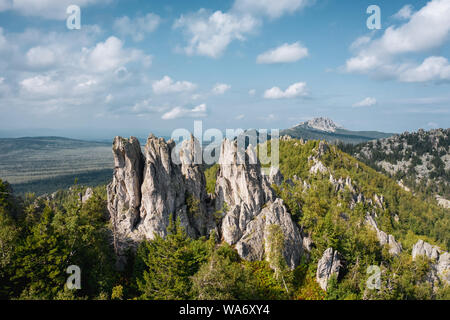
x: 241, y: 189
x: 330, y: 264
x: 163, y: 190
x: 250, y: 208
x: 422, y: 248
x: 440, y: 267
x: 395, y: 248
x: 124, y: 192
x: 254, y: 244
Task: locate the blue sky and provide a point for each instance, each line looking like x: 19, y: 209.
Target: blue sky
x: 137, y: 67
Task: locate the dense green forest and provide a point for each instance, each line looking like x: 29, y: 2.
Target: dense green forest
x: 41, y: 236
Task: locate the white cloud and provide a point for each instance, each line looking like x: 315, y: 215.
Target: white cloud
x: 283, y: 54
x: 167, y: 85
x: 425, y: 30
x: 209, y: 35
x: 240, y: 117
x: 110, y: 55
x: 137, y: 28
x: 272, y: 9
x: 145, y: 106
x: 221, y: 88
x: 68, y: 71
x: 432, y: 69
x: 359, y: 42
x: 41, y: 85
x: 252, y: 92
x: 40, y: 57
x: 367, y: 102
x: 295, y: 90
x: 179, y: 112
x: 49, y: 9
x: 404, y: 13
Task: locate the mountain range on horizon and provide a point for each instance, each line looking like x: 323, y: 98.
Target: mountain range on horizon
x: 320, y: 128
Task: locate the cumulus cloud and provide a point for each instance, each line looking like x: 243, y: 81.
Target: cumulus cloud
x: 283, y: 54
x: 49, y: 9
x: 404, y: 13
x: 269, y: 8
x: 210, y: 34
x: 220, y: 88
x: 293, y: 91
x: 40, y: 57
x: 432, y: 69
x: 367, y: 102
x: 426, y: 29
x: 167, y: 85
x: 199, y: 111
x: 145, y: 107
x: 137, y: 28
x: 67, y: 71
x: 110, y: 55
x: 41, y: 85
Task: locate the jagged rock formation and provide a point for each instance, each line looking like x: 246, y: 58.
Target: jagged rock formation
x: 124, y: 192
x: 330, y: 264
x: 168, y: 183
x: 395, y: 248
x: 149, y: 188
x: 440, y: 266
x: 249, y: 206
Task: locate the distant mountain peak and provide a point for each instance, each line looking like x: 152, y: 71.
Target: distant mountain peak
x: 322, y: 124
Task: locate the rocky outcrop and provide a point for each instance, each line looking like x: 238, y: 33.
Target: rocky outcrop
x: 444, y: 203
x: 124, y: 192
x: 395, y: 248
x: 440, y: 262
x: 340, y: 184
x: 87, y: 195
x: 147, y: 189
x: 422, y: 248
x: 329, y: 265
x: 254, y: 244
x: 249, y: 206
x: 163, y: 182
x: 317, y: 167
